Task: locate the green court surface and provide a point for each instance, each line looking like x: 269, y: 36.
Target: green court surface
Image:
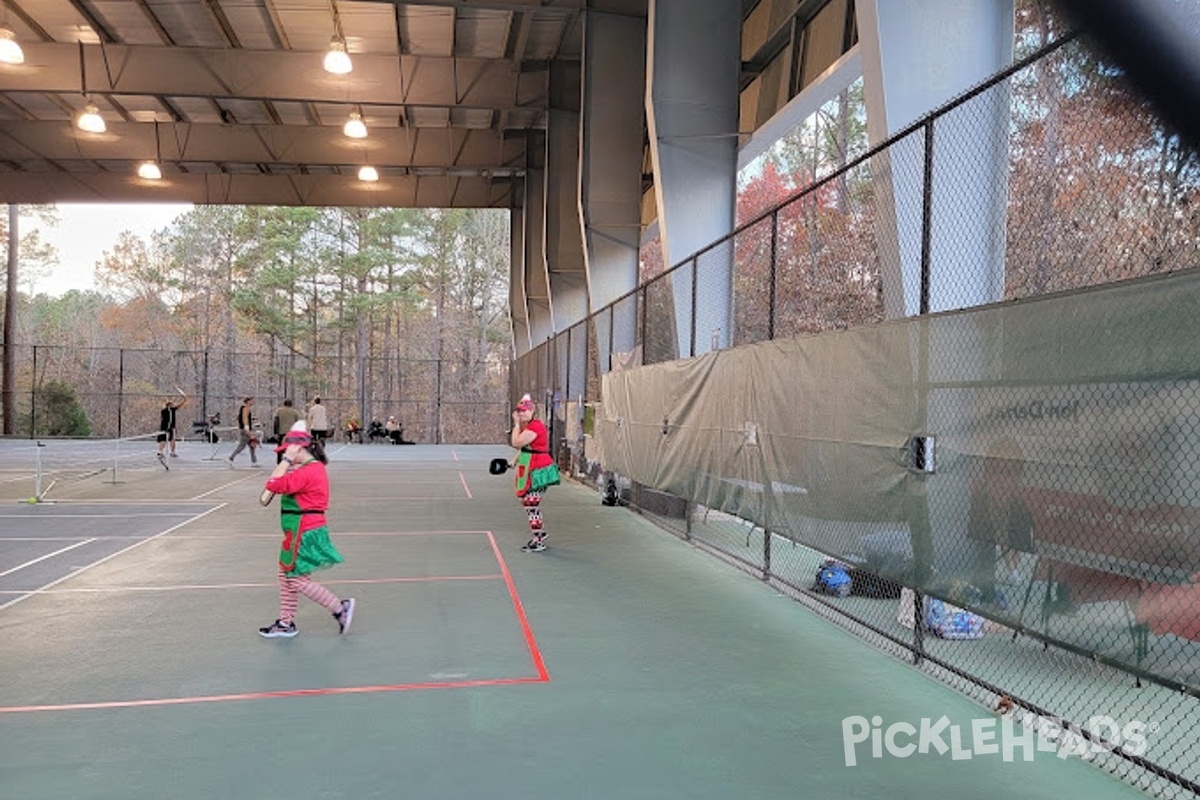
x: 620, y: 663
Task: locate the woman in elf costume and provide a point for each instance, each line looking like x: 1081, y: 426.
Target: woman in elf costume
x: 536, y: 470
x: 301, y: 478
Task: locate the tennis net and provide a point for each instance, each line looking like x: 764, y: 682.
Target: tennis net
x: 44, y: 464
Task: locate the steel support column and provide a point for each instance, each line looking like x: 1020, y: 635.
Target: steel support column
x: 693, y: 65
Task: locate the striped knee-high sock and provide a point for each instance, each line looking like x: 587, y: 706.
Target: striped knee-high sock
x: 288, y: 599
x: 318, y: 594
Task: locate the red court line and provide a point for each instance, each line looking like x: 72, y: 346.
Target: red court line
x: 223, y: 698
x: 181, y: 587
x: 335, y: 534
x: 463, y: 478
x: 543, y: 676
x: 227, y: 537
x: 538, y: 662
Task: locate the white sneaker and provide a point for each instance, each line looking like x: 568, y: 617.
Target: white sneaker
x: 346, y: 616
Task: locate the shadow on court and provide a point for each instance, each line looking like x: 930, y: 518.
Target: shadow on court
x: 618, y: 663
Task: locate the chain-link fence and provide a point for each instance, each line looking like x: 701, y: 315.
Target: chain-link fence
x: 924, y: 397
x: 119, y: 392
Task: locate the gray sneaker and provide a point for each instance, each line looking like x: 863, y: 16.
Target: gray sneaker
x: 535, y: 545
x: 277, y: 630
x: 345, y: 616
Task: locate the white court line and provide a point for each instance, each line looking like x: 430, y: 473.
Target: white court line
x: 463, y: 478
x: 43, y: 558
x: 102, y: 501
x: 96, y: 516
x: 52, y: 584
x: 225, y: 486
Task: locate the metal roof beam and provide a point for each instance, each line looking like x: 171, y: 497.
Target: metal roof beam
x: 272, y: 75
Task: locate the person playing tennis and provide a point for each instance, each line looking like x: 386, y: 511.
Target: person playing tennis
x: 167, y: 422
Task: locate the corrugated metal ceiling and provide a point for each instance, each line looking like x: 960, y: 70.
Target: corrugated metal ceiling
x: 231, y: 97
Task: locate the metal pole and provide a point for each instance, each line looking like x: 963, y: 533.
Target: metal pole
x: 612, y: 323
x: 120, y: 387
x: 37, y: 479
x: 33, y: 397
x: 773, y: 272
x: 695, y: 277
x: 921, y: 503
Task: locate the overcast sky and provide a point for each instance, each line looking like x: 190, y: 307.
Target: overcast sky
x: 85, y: 231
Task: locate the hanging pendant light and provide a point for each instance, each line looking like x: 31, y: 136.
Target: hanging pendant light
x: 10, y: 50
x: 337, y: 60
x: 150, y: 170
x: 90, y: 120
x: 368, y: 174
x: 355, y: 128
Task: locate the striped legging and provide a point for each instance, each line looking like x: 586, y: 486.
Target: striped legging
x: 533, y: 509
x: 290, y: 589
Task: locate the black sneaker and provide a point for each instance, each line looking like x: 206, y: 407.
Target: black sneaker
x: 277, y: 630
x: 345, y: 616
x: 535, y: 545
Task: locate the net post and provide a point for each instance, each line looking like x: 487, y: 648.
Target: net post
x: 37, y: 477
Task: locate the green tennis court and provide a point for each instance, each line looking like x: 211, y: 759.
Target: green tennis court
x: 619, y: 663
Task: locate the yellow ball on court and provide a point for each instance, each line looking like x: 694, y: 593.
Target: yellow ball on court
x: 32, y: 500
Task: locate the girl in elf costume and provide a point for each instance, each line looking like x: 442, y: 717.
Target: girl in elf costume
x: 536, y: 470
x: 301, y: 478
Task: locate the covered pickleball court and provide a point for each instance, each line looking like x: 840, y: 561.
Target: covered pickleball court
x: 620, y: 662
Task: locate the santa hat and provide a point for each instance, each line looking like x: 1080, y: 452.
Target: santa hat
x: 298, y: 434
x: 526, y: 403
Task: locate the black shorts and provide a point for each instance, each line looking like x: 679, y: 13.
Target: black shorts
x: 167, y: 436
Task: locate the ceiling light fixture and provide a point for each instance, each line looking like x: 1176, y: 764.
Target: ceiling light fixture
x: 89, y: 119
x: 368, y: 174
x: 337, y: 60
x: 355, y: 128
x: 149, y: 170
x: 10, y: 51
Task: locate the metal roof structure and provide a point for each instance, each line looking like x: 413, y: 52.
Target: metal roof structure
x: 231, y: 99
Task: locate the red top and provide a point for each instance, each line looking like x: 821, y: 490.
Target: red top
x: 308, y: 488
x: 540, y: 445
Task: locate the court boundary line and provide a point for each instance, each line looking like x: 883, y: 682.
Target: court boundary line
x: 108, y: 501
x: 196, y: 587
x: 123, y: 550
x: 199, y: 497
x: 41, y: 558
x: 542, y: 676
x: 255, y: 534
x: 322, y: 692
x: 98, y: 516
